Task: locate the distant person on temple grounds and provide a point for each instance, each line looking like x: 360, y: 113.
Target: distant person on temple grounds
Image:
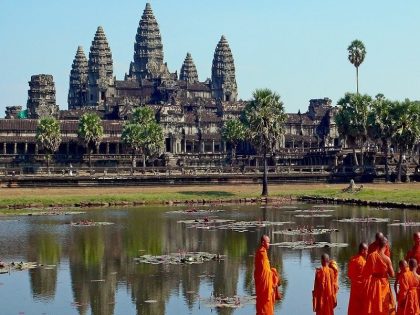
x: 324, y: 295
x: 266, y: 279
x: 375, y: 245
x: 379, y: 299
x: 355, y: 270
x: 414, y: 252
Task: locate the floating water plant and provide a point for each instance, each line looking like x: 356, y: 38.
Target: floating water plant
x: 229, y: 302
x: 364, y: 220
x: 305, y: 231
x: 89, y: 223
x: 308, y: 245
x: 179, y: 258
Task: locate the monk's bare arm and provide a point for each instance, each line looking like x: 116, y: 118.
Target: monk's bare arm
x: 390, y: 268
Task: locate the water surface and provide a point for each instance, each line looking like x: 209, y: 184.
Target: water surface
x: 91, y: 270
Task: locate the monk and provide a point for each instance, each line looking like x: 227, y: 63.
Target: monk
x: 323, y: 295
x: 408, y: 303
x: 375, y: 244
x: 356, y: 265
x: 414, y: 252
x: 334, y: 268
x: 379, y: 298
x: 266, y: 280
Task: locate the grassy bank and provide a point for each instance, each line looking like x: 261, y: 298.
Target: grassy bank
x: 41, y: 197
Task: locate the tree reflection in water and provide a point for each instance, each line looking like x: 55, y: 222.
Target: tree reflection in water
x: 101, y: 265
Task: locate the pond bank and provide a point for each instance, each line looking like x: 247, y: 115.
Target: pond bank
x: 390, y: 195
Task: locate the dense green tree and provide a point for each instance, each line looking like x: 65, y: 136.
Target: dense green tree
x: 407, y: 132
x: 90, y: 132
x: 234, y: 132
x: 264, y: 119
x: 382, y: 125
x: 48, y: 136
x: 357, y: 53
x: 143, y: 134
x: 352, y: 120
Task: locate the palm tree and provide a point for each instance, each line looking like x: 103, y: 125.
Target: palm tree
x: 143, y: 133
x: 90, y: 132
x: 48, y: 135
x: 264, y: 119
x: 382, y: 125
x: 407, y: 133
x: 352, y: 120
x: 357, y: 53
x: 233, y: 132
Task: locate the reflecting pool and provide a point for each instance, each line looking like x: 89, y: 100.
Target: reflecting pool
x: 91, y: 270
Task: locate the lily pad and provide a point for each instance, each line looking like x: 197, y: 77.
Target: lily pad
x: 364, y: 220
x: 195, y: 211
x: 308, y: 245
x: 90, y: 223
x: 315, y: 215
x: 406, y: 224
x: 305, y: 231
x: 187, y: 258
x: 229, y: 302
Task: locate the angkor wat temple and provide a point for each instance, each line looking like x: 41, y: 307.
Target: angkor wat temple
x: 191, y: 111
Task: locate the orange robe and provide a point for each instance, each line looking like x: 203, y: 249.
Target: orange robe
x: 334, y: 267
x: 264, y: 283
x: 379, y: 299
x: 414, y: 252
x: 373, y: 247
x: 356, y: 265
x: 408, y: 303
x: 323, y: 296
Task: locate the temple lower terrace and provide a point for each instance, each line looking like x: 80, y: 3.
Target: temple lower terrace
x: 192, y: 114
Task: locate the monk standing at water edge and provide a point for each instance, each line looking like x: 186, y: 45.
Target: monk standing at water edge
x: 266, y: 280
x: 414, y: 252
x: 379, y: 298
x: 324, y: 295
x: 408, y: 282
x: 355, y: 270
x: 375, y: 244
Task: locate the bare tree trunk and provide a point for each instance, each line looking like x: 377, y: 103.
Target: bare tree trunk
x: 399, y: 167
x: 386, y: 161
x: 265, y: 177
x: 90, y: 159
x: 357, y: 80
x: 356, y: 162
x: 144, y: 163
x: 133, y: 162
x: 48, y: 164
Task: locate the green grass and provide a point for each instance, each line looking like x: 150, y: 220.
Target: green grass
x: 43, y: 198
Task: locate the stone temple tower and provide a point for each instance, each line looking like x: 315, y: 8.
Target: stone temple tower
x: 223, y: 73
x: 78, y: 80
x: 100, y: 70
x: 148, y: 48
x: 188, y: 70
x: 41, y: 97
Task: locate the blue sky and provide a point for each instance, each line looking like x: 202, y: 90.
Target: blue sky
x: 295, y: 47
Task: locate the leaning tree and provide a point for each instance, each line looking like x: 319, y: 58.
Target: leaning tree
x: 352, y: 121
x: 142, y: 134
x: 233, y: 132
x: 48, y: 136
x: 90, y: 132
x: 357, y: 53
x: 264, y: 118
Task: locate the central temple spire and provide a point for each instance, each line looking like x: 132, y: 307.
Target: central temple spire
x: 148, y: 48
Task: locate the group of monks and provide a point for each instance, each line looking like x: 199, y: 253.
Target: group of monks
x: 369, y: 272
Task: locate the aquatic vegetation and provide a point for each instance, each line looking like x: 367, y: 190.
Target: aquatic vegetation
x: 406, y: 224
x: 305, y: 231
x: 188, y: 258
x: 229, y: 302
x: 195, y: 211
x: 308, y: 245
x: 90, y: 223
x: 364, y: 220
x: 313, y: 215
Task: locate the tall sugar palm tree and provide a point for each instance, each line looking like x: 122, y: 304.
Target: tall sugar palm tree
x: 90, y: 132
x: 357, y: 53
x: 264, y: 119
x: 48, y: 135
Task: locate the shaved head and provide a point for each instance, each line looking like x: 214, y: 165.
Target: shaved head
x: 363, y: 249
x: 382, y: 242
x: 325, y: 259
x: 379, y: 236
x: 413, y: 264
x: 265, y: 241
x: 403, y: 264
x: 416, y: 238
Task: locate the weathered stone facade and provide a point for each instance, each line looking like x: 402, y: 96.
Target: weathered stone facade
x: 192, y: 112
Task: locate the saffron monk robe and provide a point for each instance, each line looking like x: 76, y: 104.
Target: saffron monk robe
x: 324, y: 296
x: 266, y: 279
x: 356, y: 265
x: 375, y: 245
x: 414, y: 252
x: 408, y: 303
x: 379, y: 298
